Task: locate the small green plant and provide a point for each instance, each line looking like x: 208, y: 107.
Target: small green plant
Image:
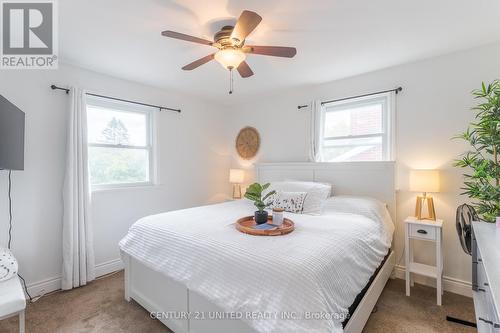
x: 482, y: 183
x: 254, y: 193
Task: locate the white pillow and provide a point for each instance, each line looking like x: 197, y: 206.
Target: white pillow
x: 311, y: 184
x: 292, y: 202
x: 366, y: 206
x: 317, y: 193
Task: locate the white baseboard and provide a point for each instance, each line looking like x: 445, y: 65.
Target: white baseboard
x: 450, y: 284
x: 49, y: 285
x: 43, y: 287
x: 108, y: 267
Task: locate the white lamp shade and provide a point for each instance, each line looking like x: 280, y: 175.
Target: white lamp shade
x: 230, y: 58
x: 424, y: 180
x: 236, y: 176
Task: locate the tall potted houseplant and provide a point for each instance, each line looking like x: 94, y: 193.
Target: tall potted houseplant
x: 482, y: 178
x: 254, y: 193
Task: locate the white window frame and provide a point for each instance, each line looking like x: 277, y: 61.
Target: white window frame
x: 151, y: 138
x: 388, y: 123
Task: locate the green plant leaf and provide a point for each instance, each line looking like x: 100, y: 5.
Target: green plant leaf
x: 481, y: 182
x: 268, y: 195
x: 254, y: 193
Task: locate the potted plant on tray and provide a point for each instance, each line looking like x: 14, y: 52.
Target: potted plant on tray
x: 254, y: 193
x: 482, y: 184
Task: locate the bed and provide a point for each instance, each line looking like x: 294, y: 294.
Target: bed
x: 194, y: 272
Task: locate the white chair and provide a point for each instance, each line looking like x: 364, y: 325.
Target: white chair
x: 12, y: 301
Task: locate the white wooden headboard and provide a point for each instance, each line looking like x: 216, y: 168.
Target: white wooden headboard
x: 372, y: 179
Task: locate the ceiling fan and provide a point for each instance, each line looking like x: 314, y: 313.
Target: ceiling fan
x: 232, y: 51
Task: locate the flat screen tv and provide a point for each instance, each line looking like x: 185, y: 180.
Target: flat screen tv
x: 11, y: 136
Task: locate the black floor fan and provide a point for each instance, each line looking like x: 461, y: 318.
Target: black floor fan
x: 464, y: 217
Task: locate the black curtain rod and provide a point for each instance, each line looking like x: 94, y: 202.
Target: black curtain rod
x: 54, y: 87
x: 396, y: 90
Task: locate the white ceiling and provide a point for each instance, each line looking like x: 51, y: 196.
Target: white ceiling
x: 334, y: 38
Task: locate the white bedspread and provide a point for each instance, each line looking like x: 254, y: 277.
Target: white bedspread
x: 316, y: 270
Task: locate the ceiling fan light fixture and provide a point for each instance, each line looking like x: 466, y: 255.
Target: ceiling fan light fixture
x: 230, y: 58
x: 231, y: 49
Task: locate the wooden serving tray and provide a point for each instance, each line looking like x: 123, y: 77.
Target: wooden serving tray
x: 246, y: 223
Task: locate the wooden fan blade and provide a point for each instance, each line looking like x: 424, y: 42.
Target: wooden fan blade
x: 244, y: 70
x: 199, y: 62
x: 246, y: 23
x: 188, y: 38
x: 275, y: 51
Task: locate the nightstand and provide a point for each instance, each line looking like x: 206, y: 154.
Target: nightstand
x: 426, y: 230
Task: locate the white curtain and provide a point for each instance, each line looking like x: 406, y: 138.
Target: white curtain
x: 315, y: 131
x: 78, y: 249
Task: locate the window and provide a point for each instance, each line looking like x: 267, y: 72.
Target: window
x: 120, y: 143
x: 357, y: 130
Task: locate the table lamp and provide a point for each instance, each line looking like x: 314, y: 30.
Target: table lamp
x: 424, y: 181
x: 236, y: 177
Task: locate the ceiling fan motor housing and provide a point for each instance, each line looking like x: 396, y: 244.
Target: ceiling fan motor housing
x: 223, y: 37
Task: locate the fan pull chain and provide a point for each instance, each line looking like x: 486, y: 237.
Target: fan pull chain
x: 231, y: 80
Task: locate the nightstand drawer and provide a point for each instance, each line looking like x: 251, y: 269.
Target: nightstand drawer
x: 425, y: 230
x: 422, y: 231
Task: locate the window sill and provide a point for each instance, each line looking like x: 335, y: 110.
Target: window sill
x: 361, y: 161
x: 125, y: 187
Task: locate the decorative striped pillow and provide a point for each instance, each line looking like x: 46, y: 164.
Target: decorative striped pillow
x: 292, y: 202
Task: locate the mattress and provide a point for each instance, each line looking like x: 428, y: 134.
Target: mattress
x: 301, y: 282
x: 360, y: 296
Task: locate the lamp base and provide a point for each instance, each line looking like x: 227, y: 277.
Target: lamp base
x: 236, y: 191
x: 423, y: 201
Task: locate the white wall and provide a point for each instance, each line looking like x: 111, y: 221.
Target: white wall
x: 433, y: 107
x: 194, y: 145
x: 193, y: 167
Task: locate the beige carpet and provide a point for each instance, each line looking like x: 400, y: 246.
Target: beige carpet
x: 100, y: 307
